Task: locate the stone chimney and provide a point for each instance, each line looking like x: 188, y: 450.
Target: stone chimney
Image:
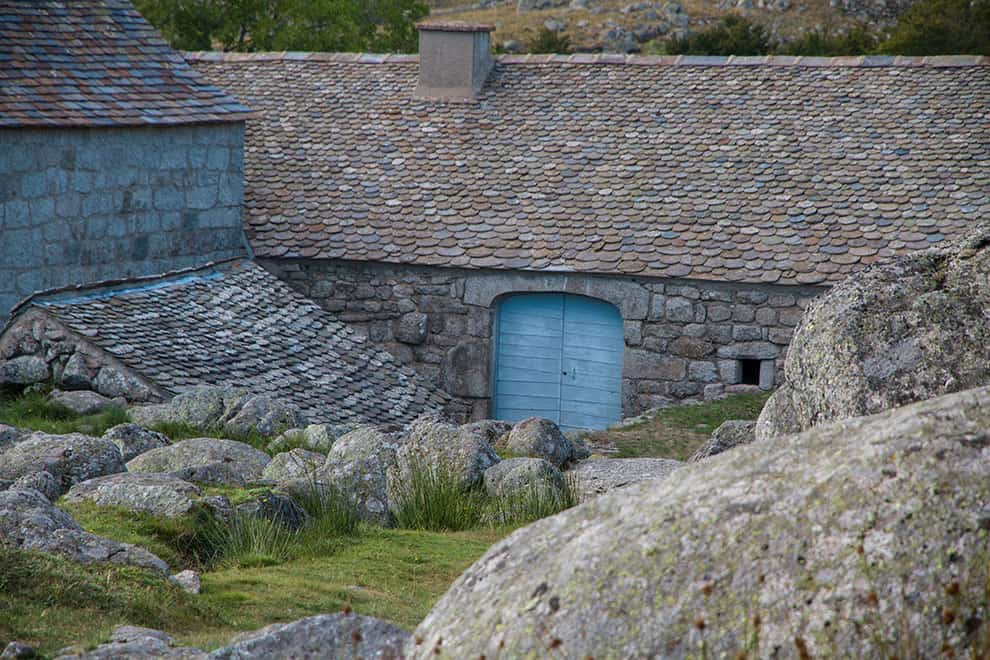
x: 454, y: 60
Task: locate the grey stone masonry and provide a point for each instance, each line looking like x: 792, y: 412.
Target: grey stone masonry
x: 685, y: 339
x: 85, y: 205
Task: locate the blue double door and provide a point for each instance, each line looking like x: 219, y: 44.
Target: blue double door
x: 558, y: 356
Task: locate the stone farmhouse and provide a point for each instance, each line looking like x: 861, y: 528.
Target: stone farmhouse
x: 576, y: 237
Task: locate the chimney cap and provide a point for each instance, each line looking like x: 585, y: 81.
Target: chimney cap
x: 454, y: 26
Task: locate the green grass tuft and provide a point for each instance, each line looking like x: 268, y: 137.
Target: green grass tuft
x: 538, y: 500
x: 34, y: 411
x: 180, y: 431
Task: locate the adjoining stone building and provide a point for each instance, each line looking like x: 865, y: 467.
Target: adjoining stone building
x: 116, y: 158
x: 586, y: 236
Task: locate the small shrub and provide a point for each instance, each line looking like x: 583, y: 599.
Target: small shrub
x: 537, y: 501
x: 942, y: 27
x: 332, y: 516
x: 433, y: 499
x: 734, y: 35
x: 821, y: 43
x: 548, y: 41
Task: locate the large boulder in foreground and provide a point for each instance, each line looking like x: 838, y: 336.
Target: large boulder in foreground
x: 432, y: 444
x: 229, y: 409
x: 903, y: 331
x: 844, y: 536
x: 28, y: 521
x: 358, y: 465
x: 155, y: 493
x: 323, y: 636
x: 70, y: 458
x: 197, y: 458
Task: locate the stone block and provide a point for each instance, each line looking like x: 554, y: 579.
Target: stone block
x: 780, y: 335
x: 16, y: 214
x: 42, y: 210
x: 714, y: 391
x: 465, y: 369
x: 412, y: 328
x: 720, y: 334
x: 747, y: 333
x: 657, y: 307
x: 684, y: 291
x: 781, y: 300
x: 757, y: 350
x: 767, y: 374
x: 743, y: 313
x: 691, y: 347
x: 633, y: 332
x: 640, y: 364
x: 729, y: 371
x: 766, y: 316
x: 703, y: 372
x: 169, y: 198
x: 753, y: 297
x: 680, y: 310
x: 479, y: 322
x: 684, y: 390
x: 695, y: 330
x: 719, y: 313
x: 790, y: 317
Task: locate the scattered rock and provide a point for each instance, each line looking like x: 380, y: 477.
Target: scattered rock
x: 135, y: 642
x: 902, y: 331
x: 83, y: 402
x: 315, y: 437
x: 322, y: 636
x: 517, y: 475
x: 358, y: 465
x: 539, y: 438
x: 489, y: 429
x: 729, y: 434
x: 281, y: 509
x: 133, y: 440
x: 43, y: 482
x: 24, y: 370
x: 76, y: 375
x: 18, y: 651
x: 113, y: 383
x: 68, y: 458
x: 214, y: 460
x: 431, y: 444
x: 532, y: 5
x: 625, y: 575
x: 598, y: 476
x: 29, y: 521
x: 10, y: 436
x: 412, y: 328
x: 155, y: 493
x: 188, y: 580
x: 292, y: 465
x: 229, y: 409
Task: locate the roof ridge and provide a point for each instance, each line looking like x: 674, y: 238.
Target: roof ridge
x: 870, y: 61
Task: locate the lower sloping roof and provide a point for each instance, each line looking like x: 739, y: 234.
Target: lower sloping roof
x: 235, y: 323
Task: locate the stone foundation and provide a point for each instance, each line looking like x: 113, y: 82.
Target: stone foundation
x: 685, y: 339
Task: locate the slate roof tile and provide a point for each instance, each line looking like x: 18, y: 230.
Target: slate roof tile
x: 652, y: 166
x: 235, y: 323
x: 97, y: 63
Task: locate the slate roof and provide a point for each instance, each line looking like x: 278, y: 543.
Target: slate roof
x: 237, y: 324
x: 97, y: 63
x: 776, y: 169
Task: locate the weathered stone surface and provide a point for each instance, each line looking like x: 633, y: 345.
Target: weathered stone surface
x: 68, y: 458
x: 316, y: 437
x: 188, y: 580
x: 293, y: 464
x: 84, y: 402
x: 155, y: 493
x: 599, y: 476
x: 412, y: 328
x: 903, y: 331
x: 24, y: 370
x: 76, y: 375
x: 432, y: 444
x: 489, y: 429
x: 244, y: 461
x: 18, y: 651
x: 133, y: 440
x: 539, y: 438
x: 518, y: 475
x: 136, y: 642
x: 323, y: 636
x: 357, y: 466
x: 29, y: 521
x: 10, y: 436
x: 828, y: 534
x: 42, y: 481
x: 729, y: 434
x: 113, y: 383
x: 228, y: 409
x: 277, y: 508
x: 465, y: 369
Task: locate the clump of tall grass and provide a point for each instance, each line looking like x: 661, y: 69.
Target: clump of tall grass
x: 245, y: 541
x: 332, y: 516
x: 34, y: 410
x: 432, y: 497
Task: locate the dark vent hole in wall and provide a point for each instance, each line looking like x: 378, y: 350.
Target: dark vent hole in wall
x: 749, y: 372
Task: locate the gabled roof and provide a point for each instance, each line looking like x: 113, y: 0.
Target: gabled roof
x: 237, y: 324
x: 741, y: 169
x: 97, y: 63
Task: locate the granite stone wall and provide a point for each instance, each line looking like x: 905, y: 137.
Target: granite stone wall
x: 685, y: 339
x: 85, y: 205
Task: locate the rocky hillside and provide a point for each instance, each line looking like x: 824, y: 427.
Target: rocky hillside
x: 624, y: 26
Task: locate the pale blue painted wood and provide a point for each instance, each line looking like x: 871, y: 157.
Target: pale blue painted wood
x: 558, y: 356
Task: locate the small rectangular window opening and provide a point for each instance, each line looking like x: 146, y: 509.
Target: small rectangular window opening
x: 749, y: 372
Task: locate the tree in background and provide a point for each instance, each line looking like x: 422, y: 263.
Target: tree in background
x: 548, y: 41
x: 822, y: 43
x: 942, y: 27
x: 734, y: 35
x: 314, y: 25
